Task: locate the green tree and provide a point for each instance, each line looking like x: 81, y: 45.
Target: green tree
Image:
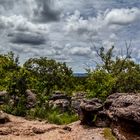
x: 49, y: 74
x: 100, y: 84
x: 128, y: 80
x: 114, y: 74
x: 17, y: 86
x: 8, y: 64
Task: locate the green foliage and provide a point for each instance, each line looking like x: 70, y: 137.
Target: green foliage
x: 16, y: 87
x: 106, y: 58
x: 52, y: 115
x: 19, y: 109
x: 128, y: 80
x: 62, y: 118
x: 114, y: 74
x: 18, y: 82
x: 8, y: 64
x: 38, y: 112
x: 100, y: 84
x: 79, y: 83
x: 49, y: 74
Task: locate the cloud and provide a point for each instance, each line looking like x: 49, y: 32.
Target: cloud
x: 21, y: 24
x: 103, y: 22
x: 27, y: 38
x: 62, y: 58
x: 83, y: 51
x: 7, y: 3
x: 122, y: 16
x: 77, y: 24
x: 46, y: 11
x: 6, y: 22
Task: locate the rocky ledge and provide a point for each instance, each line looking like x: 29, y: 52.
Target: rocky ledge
x: 120, y: 112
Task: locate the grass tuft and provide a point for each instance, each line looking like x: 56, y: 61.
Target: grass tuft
x: 108, y: 134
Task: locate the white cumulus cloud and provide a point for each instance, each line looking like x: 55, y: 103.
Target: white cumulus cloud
x: 122, y: 16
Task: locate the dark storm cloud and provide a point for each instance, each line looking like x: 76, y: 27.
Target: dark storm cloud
x: 45, y: 11
x: 27, y: 38
x: 7, y: 3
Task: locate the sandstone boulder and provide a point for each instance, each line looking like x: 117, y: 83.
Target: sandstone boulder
x: 120, y: 112
x: 59, y: 100
x: 30, y: 98
x: 59, y: 95
x: 123, y: 106
x: 76, y: 100
x: 89, y: 110
x: 62, y: 104
x: 124, y: 111
x: 4, y: 118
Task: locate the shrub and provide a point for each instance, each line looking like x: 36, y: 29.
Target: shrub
x: 18, y: 110
x: 100, y: 84
x: 55, y: 116
x: 52, y: 115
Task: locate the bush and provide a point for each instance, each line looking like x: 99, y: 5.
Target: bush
x: 49, y: 74
x: 16, y: 88
x: 100, y: 84
x: 18, y: 110
x: 37, y: 112
x: 55, y: 116
x: 52, y: 115
x: 114, y: 74
x: 128, y: 80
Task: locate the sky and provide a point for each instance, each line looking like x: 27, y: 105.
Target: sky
x: 69, y: 30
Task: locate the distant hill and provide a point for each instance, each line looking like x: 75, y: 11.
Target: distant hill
x: 80, y: 74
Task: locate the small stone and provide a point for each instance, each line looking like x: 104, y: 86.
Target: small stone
x: 61, y: 132
x: 67, y: 128
x: 38, y: 130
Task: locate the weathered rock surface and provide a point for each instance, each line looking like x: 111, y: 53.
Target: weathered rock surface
x: 89, y: 110
x: 120, y: 111
x: 59, y: 100
x: 76, y: 100
x: 59, y: 95
x: 30, y: 98
x: 4, y: 118
x: 124, y: 111
x: 22, y: 129
x: 3, y: 95
x: 124, y: 106
x: 62, y: 104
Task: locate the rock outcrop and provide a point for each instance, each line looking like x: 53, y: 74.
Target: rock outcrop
x: 124, y: 111
x: 120, y: 111
x: 123, y: 106
x: 89, y: 110
x: 30, y: 99
x: 4, y: 118
x: 76, y: 100
x: 59, y: 100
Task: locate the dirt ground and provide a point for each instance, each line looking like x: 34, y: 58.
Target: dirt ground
x: 22, y: 129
